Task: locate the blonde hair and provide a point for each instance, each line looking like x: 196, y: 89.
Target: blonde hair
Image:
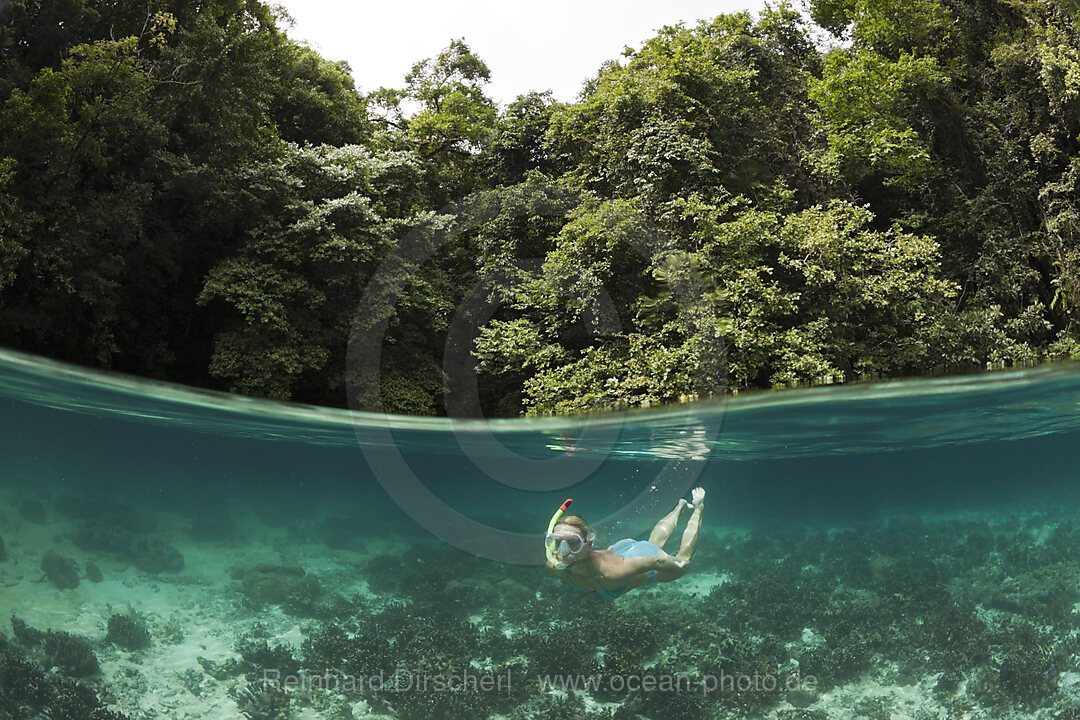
x: 577, y: 522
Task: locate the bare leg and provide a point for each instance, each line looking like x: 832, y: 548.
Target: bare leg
x: 693, y: 527
x: 663, y: 529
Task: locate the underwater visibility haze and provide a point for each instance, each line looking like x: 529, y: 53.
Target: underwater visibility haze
x: 902, y: 549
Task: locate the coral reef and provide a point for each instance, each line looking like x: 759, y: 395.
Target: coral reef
x: 259, y: 656
x: 128, y: 631
x: 989, y: 606
x: 331, y: 648
x: 72, y: 654
x: 263, y: 702
x: 425, y: 568
x: 28, y: 692
x: 23, y: 686
x: 24, y: 634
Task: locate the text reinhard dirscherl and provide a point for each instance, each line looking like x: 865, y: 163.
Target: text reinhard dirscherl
x: 467, y: 680
x: 401, y: 680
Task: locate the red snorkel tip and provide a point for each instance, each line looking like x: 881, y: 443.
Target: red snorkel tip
x: 566, y: 504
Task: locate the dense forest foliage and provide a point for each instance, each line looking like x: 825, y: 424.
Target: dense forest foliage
x: 188, y: 194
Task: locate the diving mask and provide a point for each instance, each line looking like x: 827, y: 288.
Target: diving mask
x: 565, y: 543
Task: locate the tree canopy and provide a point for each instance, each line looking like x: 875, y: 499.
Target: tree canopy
x: 188, y: 194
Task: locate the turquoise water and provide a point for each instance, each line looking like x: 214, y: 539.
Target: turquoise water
x: 824, y: 506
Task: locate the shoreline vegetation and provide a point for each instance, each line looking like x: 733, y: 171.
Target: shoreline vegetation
x: 186, y: 194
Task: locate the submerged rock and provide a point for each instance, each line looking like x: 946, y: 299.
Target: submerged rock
x: 154, y: 555
x: 288, y: 586
x: 801, y: 698
x: 61, y: 571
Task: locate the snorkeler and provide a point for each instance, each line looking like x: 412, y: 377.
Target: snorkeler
x: 627, y: 564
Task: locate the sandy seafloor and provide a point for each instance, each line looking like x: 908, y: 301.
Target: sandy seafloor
x: 1015, y: 582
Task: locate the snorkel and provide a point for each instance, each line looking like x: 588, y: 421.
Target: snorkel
x: 550, y: 546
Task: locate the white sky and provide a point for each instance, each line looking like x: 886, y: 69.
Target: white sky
x: 554, y: 45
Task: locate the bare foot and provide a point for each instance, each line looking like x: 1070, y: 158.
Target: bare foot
x: 697, y: 497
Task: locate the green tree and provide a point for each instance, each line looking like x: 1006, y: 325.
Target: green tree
x: 12, y: 222
x: 719, y: 110
x: 518, y: 142
x: 950, y: 120
x: 292, y: 286
x: 318, y: 103
x: 85, y: 150
x: 574, y: 317
x: 866, y: 103
x: 446, y: 117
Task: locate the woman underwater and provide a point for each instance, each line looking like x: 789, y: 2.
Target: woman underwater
x: 627, y: 564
